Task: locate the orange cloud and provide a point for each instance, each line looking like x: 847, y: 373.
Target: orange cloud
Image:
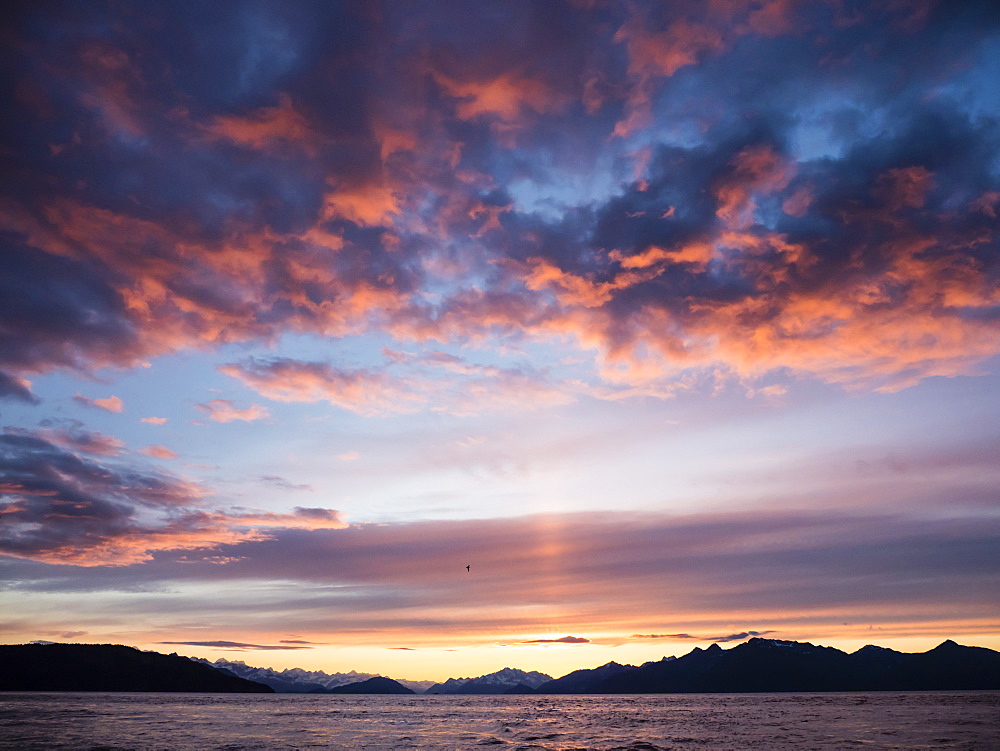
x: 505, y: 96
x: 268, y: 128
x: 196, y: 293
x: 655, y: 54
x: 657, y: 48
x: 370, y: 204
x: 192, y: 530
x: 571, y: 289
x: 756, y: 169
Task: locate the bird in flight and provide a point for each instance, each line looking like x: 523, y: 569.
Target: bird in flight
x: 469, y: 568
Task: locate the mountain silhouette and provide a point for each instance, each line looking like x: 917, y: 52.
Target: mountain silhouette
x: 110, y: 667
x: 758, y: 665
x: 764, y: 665
x: 583, y: 681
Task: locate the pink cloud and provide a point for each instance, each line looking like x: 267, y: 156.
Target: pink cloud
x: 224, y: 410
x: 109, y: 404
x: 86, y: 441
x: 159, y: 452
x: 154, y: 420
x: 363, y: 391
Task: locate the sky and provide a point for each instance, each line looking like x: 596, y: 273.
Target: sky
x: 675, y: 323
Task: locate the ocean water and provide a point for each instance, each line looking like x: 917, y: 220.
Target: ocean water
x: 233, y: 722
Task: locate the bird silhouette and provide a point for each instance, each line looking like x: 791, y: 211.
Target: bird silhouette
x: 469, y: 568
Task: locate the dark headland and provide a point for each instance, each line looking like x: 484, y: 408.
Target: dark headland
x: 111, y: 667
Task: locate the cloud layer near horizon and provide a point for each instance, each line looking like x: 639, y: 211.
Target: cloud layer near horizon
x: 783, y: 571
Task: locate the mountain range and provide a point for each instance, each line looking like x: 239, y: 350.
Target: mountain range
x: 508, y: 680
x: 758, y: 665
x: 299, y: 681
x: 761, y: 665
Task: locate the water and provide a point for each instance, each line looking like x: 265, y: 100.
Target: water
x: 286, y: 722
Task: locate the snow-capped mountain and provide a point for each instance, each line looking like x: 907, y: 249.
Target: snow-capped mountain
x: 499, y: 682
x: 298, y: 680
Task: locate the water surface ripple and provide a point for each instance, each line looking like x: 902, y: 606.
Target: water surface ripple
x: 286, y: 722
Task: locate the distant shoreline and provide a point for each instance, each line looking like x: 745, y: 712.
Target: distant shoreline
x: 758, y: 666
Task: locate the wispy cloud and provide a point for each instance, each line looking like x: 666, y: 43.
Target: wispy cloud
x: 363, y: 391
x: 235, y: 645
x: 281, y: 482
x: 560, y: 640
x: 76, y: 438
x: 610, y: 573
x: 682, y: 637
x: 224, y: 410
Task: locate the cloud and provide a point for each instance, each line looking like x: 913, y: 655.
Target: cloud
x: 610, y: 574
x: 61, y: 508
x: 76, y: 438
x: 366, y: 392
x: 19, y: 389
x: 235, y: 645
x: 159, y: 452
x: 154, y: 420
x: 435, y: 380
x: 224, y: 410
x: 281, y: 482
x: 653, y: 183
x: 560, y: 640
x: 110, y: 404
x: 267, y: 128
x: 681, y: 637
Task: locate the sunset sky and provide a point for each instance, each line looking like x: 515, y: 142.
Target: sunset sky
x: 676, y: 322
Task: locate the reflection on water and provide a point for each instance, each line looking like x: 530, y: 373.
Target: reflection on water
x: 232, y: 722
